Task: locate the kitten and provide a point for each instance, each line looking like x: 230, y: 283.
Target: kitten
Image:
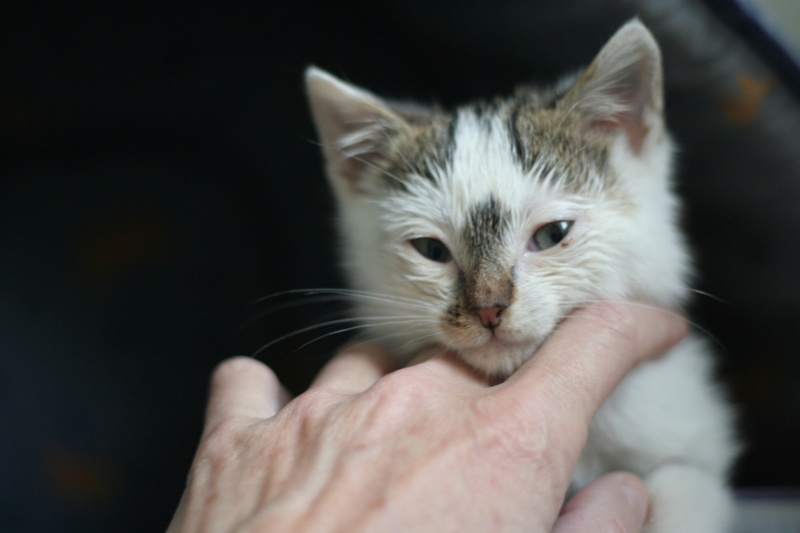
x: 479, y: 230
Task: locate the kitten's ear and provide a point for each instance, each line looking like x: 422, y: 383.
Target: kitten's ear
x: 353, y: 126
x: 622, y: 88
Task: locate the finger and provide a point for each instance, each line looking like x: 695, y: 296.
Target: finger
x: 243, y: 387
x: 590, y: 352
x: 355, y: 368
x: 615, y: 502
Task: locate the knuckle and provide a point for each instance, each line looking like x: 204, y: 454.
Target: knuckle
x: 399, y: 399
x: 222, y: 439
x: 218, y: 448
x: 314, y: 403
x: 397, y: 391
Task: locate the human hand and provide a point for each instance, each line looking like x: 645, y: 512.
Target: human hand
x: 431, y: 447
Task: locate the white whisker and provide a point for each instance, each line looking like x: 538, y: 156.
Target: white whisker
x: 391, y: 320
x: 418, y: 339
x: 348, y: 293
x: 372, y: 165
x: 353, y: 328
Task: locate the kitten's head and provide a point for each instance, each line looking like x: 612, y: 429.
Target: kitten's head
x: 481, y: 229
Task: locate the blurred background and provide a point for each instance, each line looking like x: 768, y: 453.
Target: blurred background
x: 158, y: 177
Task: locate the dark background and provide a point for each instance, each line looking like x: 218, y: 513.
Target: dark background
x: 158, y: 175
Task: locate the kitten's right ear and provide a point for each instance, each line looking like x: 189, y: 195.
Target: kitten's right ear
x: 353, y: 126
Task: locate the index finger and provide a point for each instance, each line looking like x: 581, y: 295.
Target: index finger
x: 243, y: 387
x: 587, y: 356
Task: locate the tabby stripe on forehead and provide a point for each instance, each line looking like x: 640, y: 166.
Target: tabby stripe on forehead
x: 426, y: 150
x: 487, y: 112
x: 487, y: 224
x: 519, y: 145
x: 521, y: 140
x: 450, y: 145
x: 435, y: 148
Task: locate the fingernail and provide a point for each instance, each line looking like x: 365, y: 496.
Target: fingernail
x: 637, y: 498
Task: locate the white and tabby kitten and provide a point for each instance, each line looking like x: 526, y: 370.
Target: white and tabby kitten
x: 479, y: 230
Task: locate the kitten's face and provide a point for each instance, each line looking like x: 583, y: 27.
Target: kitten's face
x: 482, y: 229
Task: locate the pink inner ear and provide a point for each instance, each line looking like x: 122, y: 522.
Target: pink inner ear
x: 353, y: 167
x: 362, y: 156
x: 633, y: 128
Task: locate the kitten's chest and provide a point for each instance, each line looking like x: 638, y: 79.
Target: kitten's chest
x: 664, y: 408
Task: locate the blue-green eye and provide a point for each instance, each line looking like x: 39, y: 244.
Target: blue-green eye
x: 550, y: 234
x: 432, y: 249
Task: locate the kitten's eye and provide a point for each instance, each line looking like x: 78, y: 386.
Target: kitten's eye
x: 432, y: 249
x: 550, y: 234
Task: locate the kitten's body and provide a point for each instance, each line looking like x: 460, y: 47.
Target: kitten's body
x: 481, y: 229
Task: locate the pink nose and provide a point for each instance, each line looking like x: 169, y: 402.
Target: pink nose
x: 489, y: 316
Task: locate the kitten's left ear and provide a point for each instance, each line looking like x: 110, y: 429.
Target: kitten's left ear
x: 622, y: 88
x: 353, y: 127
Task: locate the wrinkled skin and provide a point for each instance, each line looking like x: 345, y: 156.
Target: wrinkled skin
x: 430, y: 447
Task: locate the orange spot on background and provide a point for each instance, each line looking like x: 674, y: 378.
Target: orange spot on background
x: 81, y: 478
x: 742, y: 108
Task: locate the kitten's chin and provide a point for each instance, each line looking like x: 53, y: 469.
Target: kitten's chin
x: 498, y: 359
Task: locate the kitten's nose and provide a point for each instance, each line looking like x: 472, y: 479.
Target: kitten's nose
x: 489, y: 316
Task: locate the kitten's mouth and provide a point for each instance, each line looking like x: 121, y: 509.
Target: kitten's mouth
x: 497, y: 357
x: 501, y: 337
